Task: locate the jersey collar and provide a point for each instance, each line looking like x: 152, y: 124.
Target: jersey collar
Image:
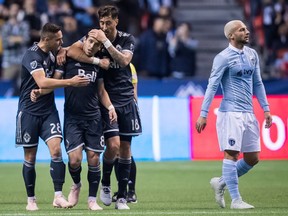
x: 236, y: 49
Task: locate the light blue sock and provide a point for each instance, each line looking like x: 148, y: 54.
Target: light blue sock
x: 229, y: 173
x: 242, y: 167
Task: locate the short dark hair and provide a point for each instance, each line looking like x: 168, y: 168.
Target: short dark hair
x: 108, y: 10
x: 49, y: 29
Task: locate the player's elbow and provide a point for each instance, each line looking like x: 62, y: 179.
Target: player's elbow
x: 43, y: 84
x: 124, y: 63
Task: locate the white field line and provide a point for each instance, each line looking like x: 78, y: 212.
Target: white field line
x: 145, y: 213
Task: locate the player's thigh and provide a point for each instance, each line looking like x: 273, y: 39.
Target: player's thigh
x: 73, y: 135
x: 51, y: 127
x: 251, y: 137
x: 93, y: 137
x: 110, y: 129
x: 27, y: 129
x: 129, y: 120
x: 230, y: 130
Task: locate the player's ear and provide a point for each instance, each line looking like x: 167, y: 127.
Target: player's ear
x: 230, y: 36
x: 116, y: 20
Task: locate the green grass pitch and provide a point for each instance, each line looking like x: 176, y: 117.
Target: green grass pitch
x: 163, y: 188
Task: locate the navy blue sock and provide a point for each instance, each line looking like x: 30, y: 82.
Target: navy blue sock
x: 29, y: 175
x: 132, y: 179
x: 75, y: 173
x: 124, y: 173
x: 94, y: 176
x: 57, y: 172
x: 116, y: 168
x: 107, y: 169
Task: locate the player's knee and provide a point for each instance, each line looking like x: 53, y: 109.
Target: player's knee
x: 75, y: 162
x: 252, y: 161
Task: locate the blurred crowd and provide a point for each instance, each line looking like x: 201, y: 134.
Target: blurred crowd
x: 269, y: 27
x: 163, y: 48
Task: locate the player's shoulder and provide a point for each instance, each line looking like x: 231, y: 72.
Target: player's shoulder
x: 223, y: 55
x: 32, y: 53
x: 124, y: 35
x: 249, y: 50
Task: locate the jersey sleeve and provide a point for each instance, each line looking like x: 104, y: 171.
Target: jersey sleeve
x: 218, y: 68
x: 258, y: 86
x: 129, y: 44
x: 33, y: 62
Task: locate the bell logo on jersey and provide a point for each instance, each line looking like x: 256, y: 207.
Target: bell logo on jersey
x: 114, y: 64
x: 92, y: 77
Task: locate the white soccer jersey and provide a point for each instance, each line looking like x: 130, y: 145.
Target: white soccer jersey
x: 238, y: 73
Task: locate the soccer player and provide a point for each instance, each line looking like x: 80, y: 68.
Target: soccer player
x: 237, y: 70
x: 40, y: 119
x: 83, y: 122
x: 131, y: 195
x: 118, y: 84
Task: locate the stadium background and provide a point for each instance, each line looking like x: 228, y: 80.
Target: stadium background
x: 169, y: 107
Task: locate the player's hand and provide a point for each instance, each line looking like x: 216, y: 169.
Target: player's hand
x: 61, y: 56
x: 112, y: 115
x: 79, y: 81
x: 268, y: 119
x: 35, y: 94
x: 101, y: 36
x: 104, y: 63
x: 201, y: 124
x: 94, y: 33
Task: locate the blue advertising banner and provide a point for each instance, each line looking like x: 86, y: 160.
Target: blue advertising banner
x: 165, y: 123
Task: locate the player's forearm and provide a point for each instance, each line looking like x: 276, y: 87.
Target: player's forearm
x: 105, y: 100
x: 78, y: 54
x: 50, y: 83
x: 122, y: 59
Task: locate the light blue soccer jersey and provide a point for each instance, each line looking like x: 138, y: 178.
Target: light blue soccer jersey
x: 238, y: 73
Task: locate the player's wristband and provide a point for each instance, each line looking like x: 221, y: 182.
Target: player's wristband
x: 107, y: 44
x: 96, y: 61
x: 111, y: 107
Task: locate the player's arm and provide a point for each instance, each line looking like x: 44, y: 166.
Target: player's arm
x: 50, y: 83
x: 218, y: 69
x: 36, y: 93
x: 122, y: 58
x: 260, y: 93
x: 76, y: 52
x: 105, y: 100
x: 61, y: 55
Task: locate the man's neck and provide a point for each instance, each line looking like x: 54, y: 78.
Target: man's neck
x: 43, y: 47
x: 113, y: 36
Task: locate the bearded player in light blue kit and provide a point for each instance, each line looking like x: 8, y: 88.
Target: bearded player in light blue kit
x: 237, y: 70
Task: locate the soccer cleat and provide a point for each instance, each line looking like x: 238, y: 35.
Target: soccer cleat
x: 31, y: 204
x: 131, y: 197
x: 114, y: 197
x: 60, y: 202
x: 121, y: 204
x: 240, y: 204
x: 92, y: 205
x: 219, y: 191
x: 105, y: 195
x: 73, y: 196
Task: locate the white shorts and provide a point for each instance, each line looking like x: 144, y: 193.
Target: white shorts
x: 238, y: 131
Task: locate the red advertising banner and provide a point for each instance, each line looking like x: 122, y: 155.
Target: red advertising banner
x: 274, y: 141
